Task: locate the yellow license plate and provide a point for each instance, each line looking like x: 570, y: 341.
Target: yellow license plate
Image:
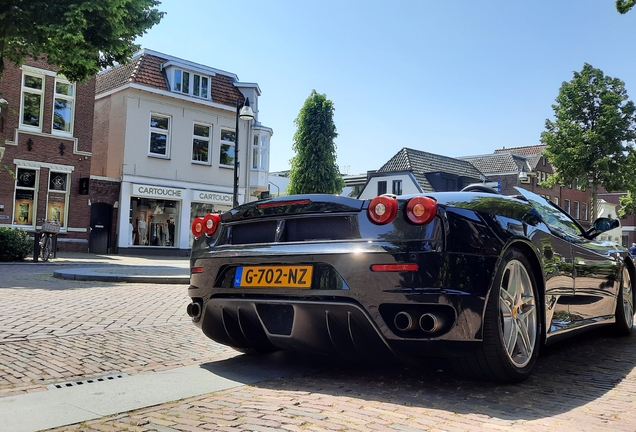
x: 274, y: 276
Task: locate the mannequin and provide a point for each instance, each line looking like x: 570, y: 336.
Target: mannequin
x: 142, y: 231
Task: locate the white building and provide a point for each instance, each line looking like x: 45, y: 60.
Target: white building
x: 164, y: 138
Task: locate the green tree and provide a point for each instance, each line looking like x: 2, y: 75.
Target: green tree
x: 314, y: 168
x: 79, y: 36
x: 623, y: 6
x: 589, y: 141
x: 628, y: 201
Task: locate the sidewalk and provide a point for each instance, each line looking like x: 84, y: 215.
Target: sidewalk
x: 115, y: 268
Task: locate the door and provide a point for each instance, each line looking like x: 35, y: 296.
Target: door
x: 101, y: 220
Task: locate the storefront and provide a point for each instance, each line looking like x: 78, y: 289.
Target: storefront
x: 160, y: 217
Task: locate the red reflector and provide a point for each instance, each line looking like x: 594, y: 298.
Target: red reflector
x: 394, y: 267
x: 283, y: 203
x: 196, y: 270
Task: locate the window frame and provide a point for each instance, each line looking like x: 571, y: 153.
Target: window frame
x: 382, y: 185
x: 259, y: 153
x: 584, y: 211
x: 159, y: 131
x: 566, y: 206
x: 576, y: 210
x: 188, y: 87
x: 396, y: 187
x: 40, y: 92
x: 202, y: 138
x: 34, y: 190
x: 225, y: 143
x: 66, y: 193
x: 71, y: 98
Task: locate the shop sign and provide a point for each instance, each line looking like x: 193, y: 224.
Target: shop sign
x: 213, y: 197
x: 156, y: 191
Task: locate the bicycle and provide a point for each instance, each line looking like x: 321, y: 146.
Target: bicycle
x: 46, y: 238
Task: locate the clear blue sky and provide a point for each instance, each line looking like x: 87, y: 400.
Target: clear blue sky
x: 455, y: 78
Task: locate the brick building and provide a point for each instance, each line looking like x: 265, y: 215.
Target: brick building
x: 46, y: 132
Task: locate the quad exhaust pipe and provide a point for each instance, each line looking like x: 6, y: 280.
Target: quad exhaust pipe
x: 428, y: 322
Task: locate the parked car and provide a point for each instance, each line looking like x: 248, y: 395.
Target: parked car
x: 483, y: 279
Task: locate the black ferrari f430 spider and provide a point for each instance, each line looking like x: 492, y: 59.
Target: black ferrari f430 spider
x: 481, y: 278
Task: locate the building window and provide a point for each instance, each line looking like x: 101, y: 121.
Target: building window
x: 182, y: 81
x: 259, y: 153
x: 397, y: 187
x: 381, y: 187
x: 58, y: 197
x: 191, y: 84
x: 556, y: 200
x: 32, y: 101
x: 576, y: 215
x: 63, y: 107
x: 159, y: 136
x: 566, y: 207
x: 227, y: 147
x: 25, y: 201
x: 200, y: 88
x: 201, y: 143
x: 584, y: 211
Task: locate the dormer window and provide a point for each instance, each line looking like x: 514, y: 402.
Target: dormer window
x: 191, y: 83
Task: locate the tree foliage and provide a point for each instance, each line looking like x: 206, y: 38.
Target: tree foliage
x: 79, y: 36
x: 314, y: 168
x: 623, y: 6
x: 589, y: 141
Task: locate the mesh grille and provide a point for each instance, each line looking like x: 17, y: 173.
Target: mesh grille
x: 278, y: 319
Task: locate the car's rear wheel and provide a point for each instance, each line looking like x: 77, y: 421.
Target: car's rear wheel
x: 512, y: 325
x: 625, y: 306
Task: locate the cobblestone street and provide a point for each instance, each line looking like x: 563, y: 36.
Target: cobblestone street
x: 57, y: 331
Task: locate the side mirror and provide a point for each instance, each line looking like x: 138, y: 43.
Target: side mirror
x: 605, y: 224
x: 601, y: 225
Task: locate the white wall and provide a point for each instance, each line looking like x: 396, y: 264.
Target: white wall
x: 179, y: 166
x: 408, y: 185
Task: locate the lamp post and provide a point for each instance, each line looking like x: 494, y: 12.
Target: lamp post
x: 243, y: 112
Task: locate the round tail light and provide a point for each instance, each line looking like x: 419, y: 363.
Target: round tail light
x: 197, y: 227
x: 210, y: 223
x: 421, y: 210
x: 382, y: 209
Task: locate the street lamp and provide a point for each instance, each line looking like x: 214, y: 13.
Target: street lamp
x: 244, y: 112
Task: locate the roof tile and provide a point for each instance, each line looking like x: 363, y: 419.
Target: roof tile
x: 146, y: 70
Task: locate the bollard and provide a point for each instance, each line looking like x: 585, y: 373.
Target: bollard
x: 36, y: 246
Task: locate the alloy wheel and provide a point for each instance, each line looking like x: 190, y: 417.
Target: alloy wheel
x: 628, y: 298
x: 517, y: 305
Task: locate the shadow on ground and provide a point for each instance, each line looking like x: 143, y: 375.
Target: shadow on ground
x: 568, y: 375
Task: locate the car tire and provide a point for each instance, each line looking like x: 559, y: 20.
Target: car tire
x: 512, y: 325
x: 624, y: 306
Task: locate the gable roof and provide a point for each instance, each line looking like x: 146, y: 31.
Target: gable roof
x: 498, y: 163
x: 421, y: 163
x: 146, y: 70
x: 532, y: 153
x: 532, y: 150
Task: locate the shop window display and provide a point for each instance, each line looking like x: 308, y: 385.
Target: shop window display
x: 154, y: 221
x: 24, y: 204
